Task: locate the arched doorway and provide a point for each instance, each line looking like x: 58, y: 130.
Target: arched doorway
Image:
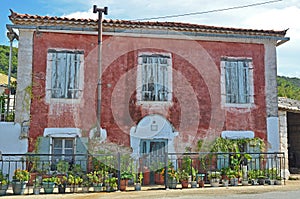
x: 150, y: 140
x: 152, y: 127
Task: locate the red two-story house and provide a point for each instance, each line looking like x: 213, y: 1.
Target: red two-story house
x: 164, y: 85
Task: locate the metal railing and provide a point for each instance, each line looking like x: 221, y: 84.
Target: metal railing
x: 113, y: 165
x: 7, y: 111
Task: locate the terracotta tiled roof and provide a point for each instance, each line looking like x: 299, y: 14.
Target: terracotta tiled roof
x: 288, y: 104
x: 26, y: 19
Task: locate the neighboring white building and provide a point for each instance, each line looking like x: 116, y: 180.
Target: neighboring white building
x: 289, y: 132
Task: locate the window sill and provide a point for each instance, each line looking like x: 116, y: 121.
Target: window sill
x: 246, y: 106
x: 65, y: 100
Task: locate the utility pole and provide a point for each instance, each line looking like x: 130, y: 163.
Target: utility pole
x: 100, y: 12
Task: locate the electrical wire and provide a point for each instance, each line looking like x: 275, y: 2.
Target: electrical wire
x: 205, y: 12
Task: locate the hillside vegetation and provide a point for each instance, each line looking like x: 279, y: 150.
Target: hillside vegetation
x: 4, y: 59
x: 287, y: 87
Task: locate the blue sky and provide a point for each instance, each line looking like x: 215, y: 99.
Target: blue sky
x: 278, y: 15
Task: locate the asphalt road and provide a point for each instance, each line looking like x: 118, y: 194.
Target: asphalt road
x: 290, y: 191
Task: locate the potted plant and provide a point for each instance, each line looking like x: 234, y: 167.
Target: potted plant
x: 194, y: 182
x: 96, y: 178
x: 184, y: 178
x: 20, y: 179
x: 245, y: 176
x: 214, y: 178
x: 138, y: 183
x: 225, y: 172
x: 278, y: 180
x: 200, y: 179
x: 86, y: 183
x: 157, y: 167
x: 3, y: 183
x: 111, y: 184
x: 261, y: 178
x: 61, y: 182
x: 33, y: 167
x: 233, y: 177
x: 272, y: 174
x: 74, y: 177
x: 37, y: 185
x: 187, y: 163
x: 172, y: 176
x: 74, y: 182
x: 125, y: 176
x: 252, y: 176
x: 49, y: 184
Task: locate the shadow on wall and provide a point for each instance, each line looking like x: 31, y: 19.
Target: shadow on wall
x: 11, y: 141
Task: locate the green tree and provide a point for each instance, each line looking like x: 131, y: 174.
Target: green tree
x: 4, y: 60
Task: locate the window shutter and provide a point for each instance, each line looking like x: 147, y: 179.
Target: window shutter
x: 154, y: 77
x: 43, y: 147
x: 230, y: 86
x: 61, y: 64
x: 81, y: 148
x: 65, y: 74
x: 237, y: 82
x: 240, y: 80
x: 54, y: 76
x: 223, y: 161
x: 72, y: 75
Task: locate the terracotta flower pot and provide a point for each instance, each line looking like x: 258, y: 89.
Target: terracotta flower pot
x: 185, y: 183
x: 123, y: 184
x: 159, y: 179
x: 201, y: 183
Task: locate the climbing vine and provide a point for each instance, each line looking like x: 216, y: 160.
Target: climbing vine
x: 27, y: 98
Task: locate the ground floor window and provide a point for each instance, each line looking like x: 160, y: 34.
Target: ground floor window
x: 63, y: 146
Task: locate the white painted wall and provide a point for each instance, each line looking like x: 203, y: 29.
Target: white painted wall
x: 152, y: 127
x: 273, y: 134
x: 11, y: 142
x: 271, y: 96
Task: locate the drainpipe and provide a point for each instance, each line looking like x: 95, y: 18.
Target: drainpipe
x: 100, y: 12
x: 11, y: 36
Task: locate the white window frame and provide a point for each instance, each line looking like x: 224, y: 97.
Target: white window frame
x: 65, y: 133
x: 50, y: 63
x: 57, y: 158
x: 224, y: 102
x: 140, y: 78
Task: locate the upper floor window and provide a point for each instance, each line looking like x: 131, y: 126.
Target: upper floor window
x: 154, y: 77
x: 237, y: 80
x: 66, y: 67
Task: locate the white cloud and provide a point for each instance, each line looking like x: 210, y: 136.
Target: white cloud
x: 277, y: 19
x: 83, y: 15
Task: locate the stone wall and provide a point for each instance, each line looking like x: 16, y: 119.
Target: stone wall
x: 283, y: 147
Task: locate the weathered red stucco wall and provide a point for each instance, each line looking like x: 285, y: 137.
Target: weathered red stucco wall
x: 195, y: 110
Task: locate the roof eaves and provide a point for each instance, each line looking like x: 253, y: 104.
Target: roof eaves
x: 25, y: 19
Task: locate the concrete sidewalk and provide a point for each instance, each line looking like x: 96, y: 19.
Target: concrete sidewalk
x: 155, y: 192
